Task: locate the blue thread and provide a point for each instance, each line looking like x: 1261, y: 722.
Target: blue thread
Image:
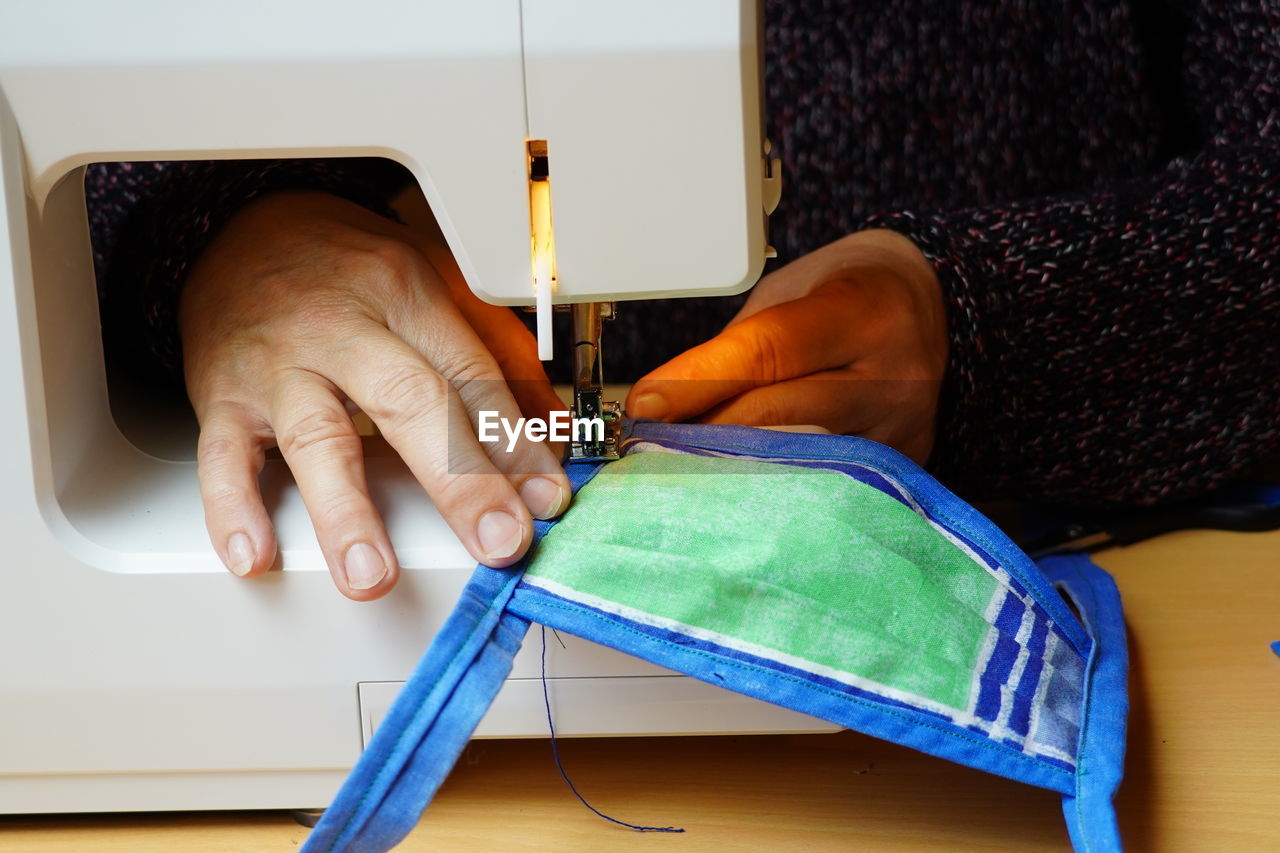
x: 555, y: 752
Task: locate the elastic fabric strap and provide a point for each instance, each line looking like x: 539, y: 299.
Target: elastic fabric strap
x: 434, y: 715
x: 1090, y: 811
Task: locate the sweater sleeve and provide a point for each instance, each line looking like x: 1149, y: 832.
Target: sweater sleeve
x: 1123, y: 345
x: 150, y: 221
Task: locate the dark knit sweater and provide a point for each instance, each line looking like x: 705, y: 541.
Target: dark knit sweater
x: 1096, y: 183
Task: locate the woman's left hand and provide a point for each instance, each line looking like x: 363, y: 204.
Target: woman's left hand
x: 851, y: 337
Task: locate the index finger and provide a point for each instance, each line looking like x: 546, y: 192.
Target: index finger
x: 786, y: 341
x: 505, y: 337
x: 421, y: 416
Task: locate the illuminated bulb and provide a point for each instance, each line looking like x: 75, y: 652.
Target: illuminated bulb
x: 543, y: 262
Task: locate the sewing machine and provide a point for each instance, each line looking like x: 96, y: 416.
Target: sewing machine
x: 573, y: 151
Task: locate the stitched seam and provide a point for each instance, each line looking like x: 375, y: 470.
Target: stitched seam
x: 1090, y: 672
x: 1005, y: 564
x: 382, y: 768
x: 985, y: 744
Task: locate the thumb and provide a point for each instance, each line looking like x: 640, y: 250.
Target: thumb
x: 782, y: 342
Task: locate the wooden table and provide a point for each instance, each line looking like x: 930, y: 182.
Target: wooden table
x: 1203, y: 772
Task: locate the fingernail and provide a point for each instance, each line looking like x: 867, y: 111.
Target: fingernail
x: 364, y: 566
x: 499, y: 534
x: 240, y: 554
x: 650, y: 405
x: 543, y: 497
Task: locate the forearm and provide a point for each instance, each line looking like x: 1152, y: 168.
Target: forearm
x: 1113, y: 347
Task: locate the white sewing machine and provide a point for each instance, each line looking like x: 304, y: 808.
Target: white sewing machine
x: 135, y: 671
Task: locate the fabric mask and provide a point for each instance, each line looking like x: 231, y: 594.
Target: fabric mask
x: 827, y: 574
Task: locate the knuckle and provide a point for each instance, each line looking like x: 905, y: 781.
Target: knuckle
x: 338, y: 510
x: 323, y: 432
x: 469, y: 489
x: 469, y: 368
x: 224, y: 450
x: 406, y: 394
x: 760, y: 353
x: 315, y: 321
x: 223, y: 496
x: 387, y: 262
x: 217, y: 449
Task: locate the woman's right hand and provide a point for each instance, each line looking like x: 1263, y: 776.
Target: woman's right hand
x: 304, y: 302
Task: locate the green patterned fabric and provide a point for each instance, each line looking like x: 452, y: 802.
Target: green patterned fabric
x: 810, y: 564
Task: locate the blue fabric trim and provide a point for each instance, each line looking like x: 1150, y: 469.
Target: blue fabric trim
x: 434, y: 714
x: 393, y: 771
x: 900, y: 724
x: 1090, y: 813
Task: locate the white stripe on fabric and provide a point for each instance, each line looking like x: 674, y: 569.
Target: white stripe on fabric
x: 1042, y: 688
x: 988, y: 646
x: 961, y: 718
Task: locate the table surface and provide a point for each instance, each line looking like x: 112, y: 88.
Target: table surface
x: 1203, y: 768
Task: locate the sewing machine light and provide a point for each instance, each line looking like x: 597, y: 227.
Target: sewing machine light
x: 542, y: 242
x: 588, y: 381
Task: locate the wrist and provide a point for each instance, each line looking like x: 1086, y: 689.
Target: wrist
x: 896, y: 253
x: 889, y: 252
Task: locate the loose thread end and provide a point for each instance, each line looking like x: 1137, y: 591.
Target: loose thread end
x: 555, y: 753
